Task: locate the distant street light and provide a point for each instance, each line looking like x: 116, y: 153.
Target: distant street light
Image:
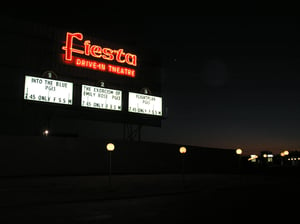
x: 110, y: 147
x: 239, y: 151
x: 46, y: 132
x: 283, y: 154
x: 183, y: 151
x: 253, y: 158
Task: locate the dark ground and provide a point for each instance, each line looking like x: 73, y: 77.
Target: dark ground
x: 204, y: 198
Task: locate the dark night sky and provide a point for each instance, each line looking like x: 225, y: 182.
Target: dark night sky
x: 232, y: 81
x: 228, y: 82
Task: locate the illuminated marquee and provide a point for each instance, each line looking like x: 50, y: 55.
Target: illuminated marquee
x: 101, y: 98
x: 97, y: 52
x: 144, y: 104
x: 48, y: 90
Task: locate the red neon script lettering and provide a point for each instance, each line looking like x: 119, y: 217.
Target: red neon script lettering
x: 69, y: 45
x: 96, y: 51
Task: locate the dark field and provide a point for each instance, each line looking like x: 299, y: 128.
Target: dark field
x: 199, y: 198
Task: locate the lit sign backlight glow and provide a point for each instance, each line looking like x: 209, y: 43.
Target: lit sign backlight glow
x: 144, y: 104
x: 101, y: 98
x: 48, y: 90
x: 97, y: 52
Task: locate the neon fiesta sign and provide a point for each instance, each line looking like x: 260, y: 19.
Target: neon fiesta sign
x: 75, y: 46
